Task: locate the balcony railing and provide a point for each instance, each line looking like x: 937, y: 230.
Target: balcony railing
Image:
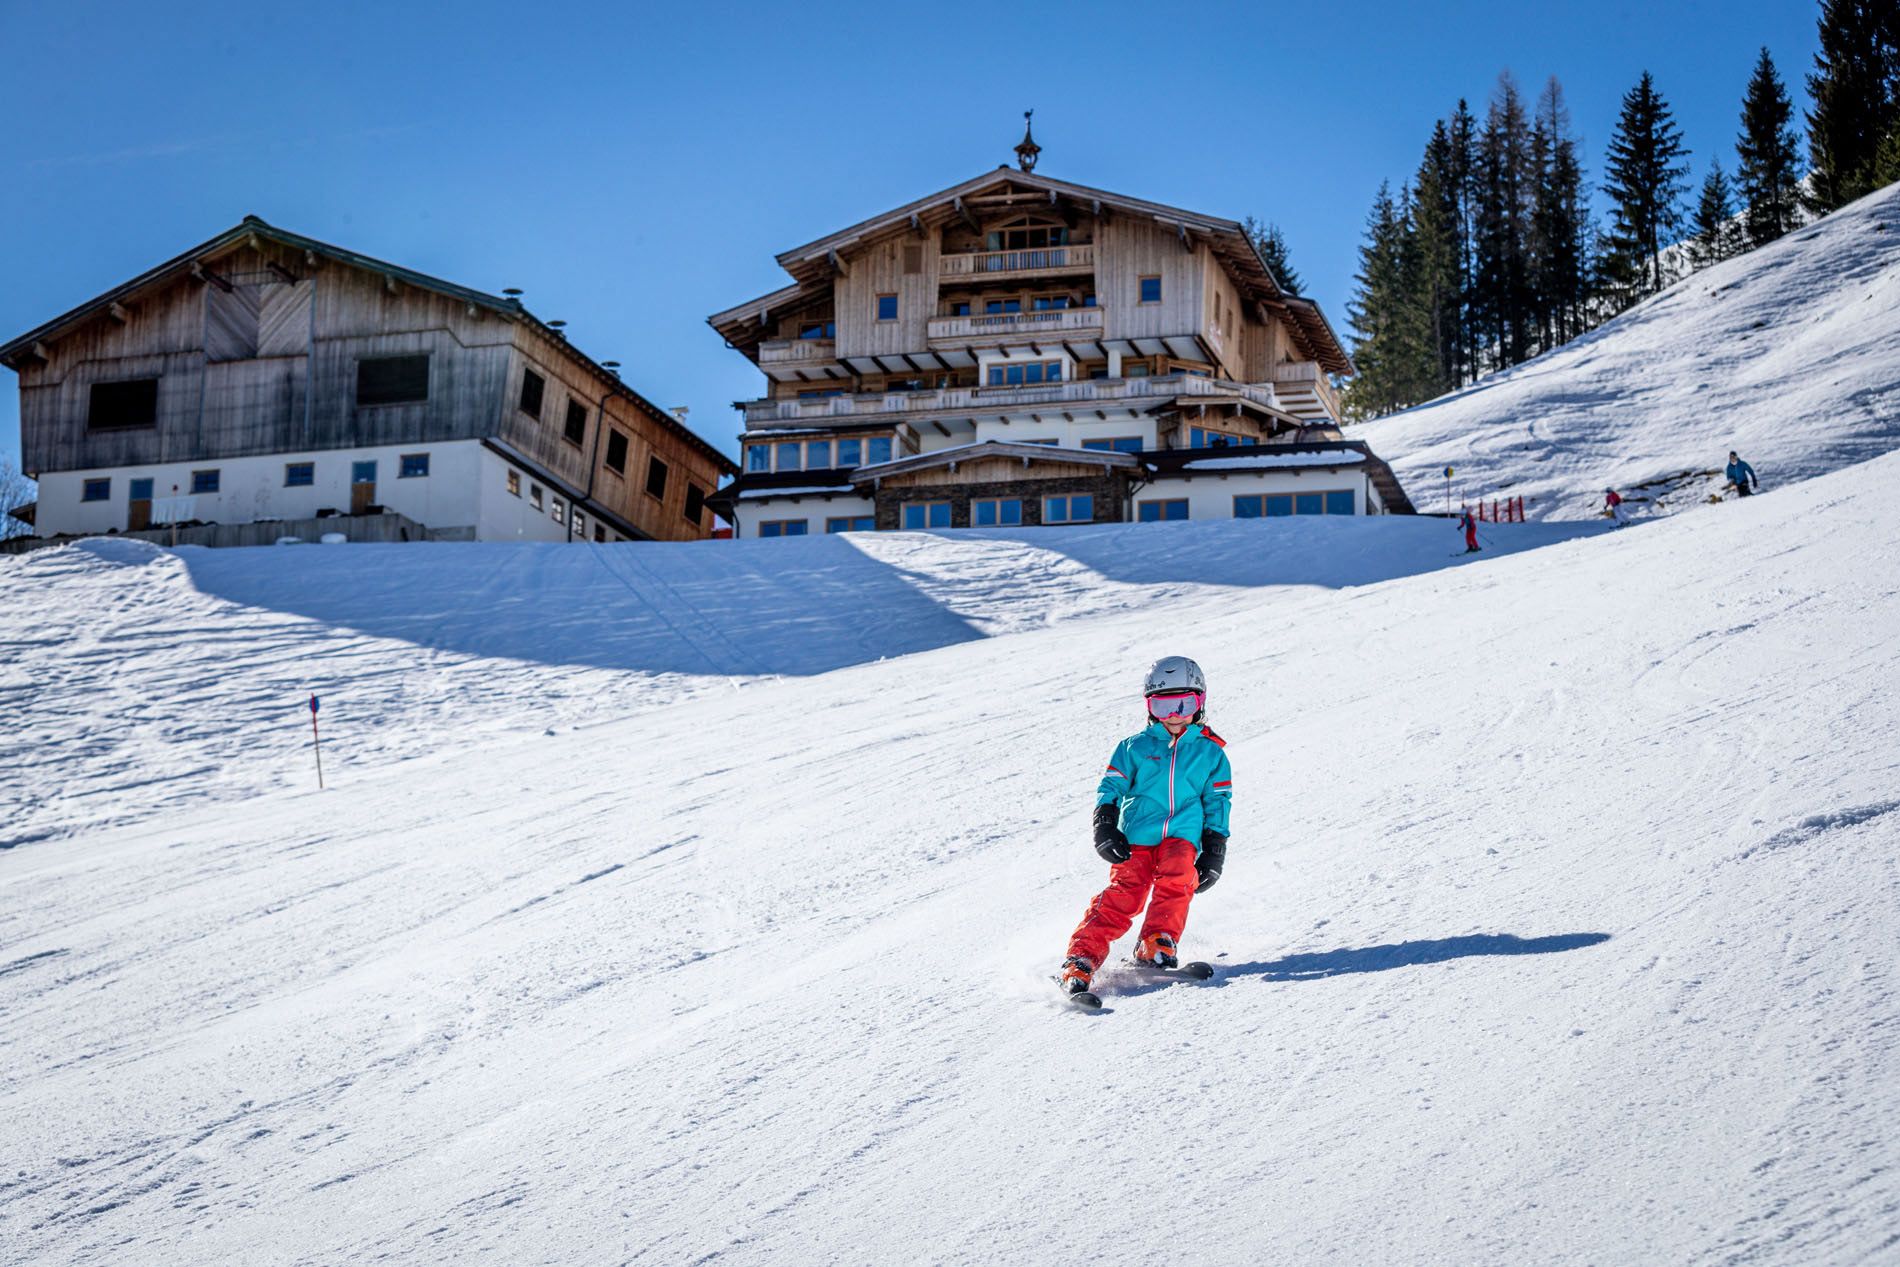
x: 797, y: 351
x: 1042, y: 259
x: 951, y: 400
x: 990, y: 326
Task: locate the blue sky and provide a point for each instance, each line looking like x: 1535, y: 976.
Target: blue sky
x: 634, y: 168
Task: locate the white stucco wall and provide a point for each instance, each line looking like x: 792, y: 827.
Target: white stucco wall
x: 751, y: 511
x: 1211, y: 496
x: 252, y: 488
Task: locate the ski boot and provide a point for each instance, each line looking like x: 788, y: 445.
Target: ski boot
x: 1076, y: 972
x: 1157, y: 951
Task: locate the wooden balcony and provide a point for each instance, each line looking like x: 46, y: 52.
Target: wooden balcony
x: 797, y: 351
x: 991, y: 400
x: 999, y: 327
x: 1041, y: 261
x: 1305, y: 390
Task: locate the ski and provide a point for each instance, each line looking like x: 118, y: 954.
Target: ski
x: 1085, y: 999
x: 1194, y: 970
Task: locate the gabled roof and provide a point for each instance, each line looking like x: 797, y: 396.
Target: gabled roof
x: 814, y: 263
x: 252, y: 230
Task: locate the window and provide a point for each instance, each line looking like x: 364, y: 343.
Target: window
x: 133, y: 403
x: 300, y: 474
x: 532, y: 385
x: 656, y: 478
x: 600, y: 531
x: 1116, y: 444
x: 514, y: 483
x: 363, y: 472
x: 557, y: 510
x: 204, y: 481
x: 818, y: 330
x: 757, y: 457
x: 96, y: 491
x: 850, y: 453
x: 392, y: 380
x: 997, y: 512
x: 1203, y: 438
x: 1160, y: 511
x: 790, y: 455
x: 1050, y: 440
x: 783, y: 528
x: 575, y: 432
x: 1247, y: 506
x: 1052, y: 303
x: 580, y: 524
x: 1135, y: 369
x: 617, y: 453
x: 535, y: 495
x: 1002, y: 307
x: 851, y: 523
x: 887, y: 307
x: 1025, y: 373
x: 414, y: 466
x: 877, y: 449
x: 139, y: 490
x: 1076, y: 509
x: 1151, y: 290
x: 961, y: 308
x: 1027, y: 236
x: 1339, y: 503
x: 818, y: 455
x: 921, y: 515
x: 1277, y: 505
x: 695, y: 503
x: 820, y: 393
x: 1308, y: 504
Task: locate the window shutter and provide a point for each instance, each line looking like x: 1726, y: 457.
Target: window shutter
x: 913, y: 258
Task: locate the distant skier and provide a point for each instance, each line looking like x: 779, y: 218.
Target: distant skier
x: 1469, y: 523
x: 1161, y: 821
x: 1740, y: 475
x: 1613, y: 507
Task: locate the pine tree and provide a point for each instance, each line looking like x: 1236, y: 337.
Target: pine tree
x: 1501, y: 282
x: 1560, y: 240
x: 1392, y: 340
x: 1716, y: 236
x: 1645, y: 187
x: 1856, y: 94
x: 1437, y: 245
x: 1461, y: 166
x: 1272, y: 247
x: 1767, y: 176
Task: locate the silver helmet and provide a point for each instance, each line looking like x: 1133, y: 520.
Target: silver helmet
x: 1171, y: 674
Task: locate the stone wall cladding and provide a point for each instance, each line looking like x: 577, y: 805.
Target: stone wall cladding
x: 1109, y: 489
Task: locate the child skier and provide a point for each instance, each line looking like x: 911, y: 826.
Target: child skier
x: 1160, y: 820
x: 1469, y: 523
x: 1740, y: 475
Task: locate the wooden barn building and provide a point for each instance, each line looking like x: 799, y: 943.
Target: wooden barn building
x: 1022, y: 350
x: 266, y: 377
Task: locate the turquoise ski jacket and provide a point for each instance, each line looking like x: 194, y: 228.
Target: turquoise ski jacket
x: 1169, y: 787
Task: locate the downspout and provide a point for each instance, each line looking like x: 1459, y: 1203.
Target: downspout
x: 593, y: 465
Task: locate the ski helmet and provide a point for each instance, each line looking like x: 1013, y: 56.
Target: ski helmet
x: 1173, y: 673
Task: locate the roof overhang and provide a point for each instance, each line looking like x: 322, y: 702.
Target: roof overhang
x: 1028, y: 454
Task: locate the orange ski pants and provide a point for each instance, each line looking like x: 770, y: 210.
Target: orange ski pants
x: 1167, y: 871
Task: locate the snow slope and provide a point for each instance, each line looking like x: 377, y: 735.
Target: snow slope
x: 1789, y: 354
x: 1559, y: 927
x: 140, y: 681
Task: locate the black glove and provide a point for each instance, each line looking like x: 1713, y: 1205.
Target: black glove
x: 1213, y: 858
x: 1109, y: 841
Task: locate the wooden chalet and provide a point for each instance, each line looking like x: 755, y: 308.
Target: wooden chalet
x: 266, y: 376
x: 1017, y: 349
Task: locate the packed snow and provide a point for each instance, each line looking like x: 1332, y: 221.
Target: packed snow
x: 1558, y: 923
x: 1789, y: 355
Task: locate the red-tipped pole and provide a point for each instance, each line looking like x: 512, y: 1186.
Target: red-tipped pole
x: 316, y: 740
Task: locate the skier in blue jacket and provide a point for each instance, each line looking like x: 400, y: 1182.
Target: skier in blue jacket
x: 1161, y: 821
x: 1740, y: 475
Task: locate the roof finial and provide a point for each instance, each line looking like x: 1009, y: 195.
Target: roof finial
x: 1027, y: 151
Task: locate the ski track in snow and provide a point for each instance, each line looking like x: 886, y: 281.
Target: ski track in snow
x: 1558, y: 925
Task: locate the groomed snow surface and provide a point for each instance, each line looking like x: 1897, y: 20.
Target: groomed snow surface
x: 1559, y: 925
x: 1789, y: 354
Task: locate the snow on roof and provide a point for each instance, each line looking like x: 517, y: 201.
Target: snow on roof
x: 802, y: 490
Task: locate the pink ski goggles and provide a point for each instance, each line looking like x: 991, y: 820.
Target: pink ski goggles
x: 1184, y: 704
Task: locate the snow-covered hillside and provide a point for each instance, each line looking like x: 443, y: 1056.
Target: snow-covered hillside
x: 138, y: 681
x: 1789, y: 354
x: 1559, y: 922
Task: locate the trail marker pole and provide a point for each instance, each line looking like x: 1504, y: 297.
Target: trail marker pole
x: 315, y: 740
x: 1448, y: 490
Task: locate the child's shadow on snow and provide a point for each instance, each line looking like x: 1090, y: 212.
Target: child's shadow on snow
x: 1405, y: 954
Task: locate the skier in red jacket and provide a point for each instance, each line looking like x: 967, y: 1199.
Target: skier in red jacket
x: 1613, y: 506
x: 1470, y: 524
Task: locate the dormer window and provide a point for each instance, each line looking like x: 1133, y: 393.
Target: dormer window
x: 818, y: 330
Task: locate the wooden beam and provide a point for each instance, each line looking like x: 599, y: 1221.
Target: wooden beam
x: 938, y: 424
x: 1186, y: 244
x: 916, y: 225
x: 967, y: 217
x: 119, y: 313
x: 838, y: 268
x: 283, y: 274
x: 210, y: 278
x: 389, y: 283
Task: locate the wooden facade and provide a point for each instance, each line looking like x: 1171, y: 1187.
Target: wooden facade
x: 263, y: 342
